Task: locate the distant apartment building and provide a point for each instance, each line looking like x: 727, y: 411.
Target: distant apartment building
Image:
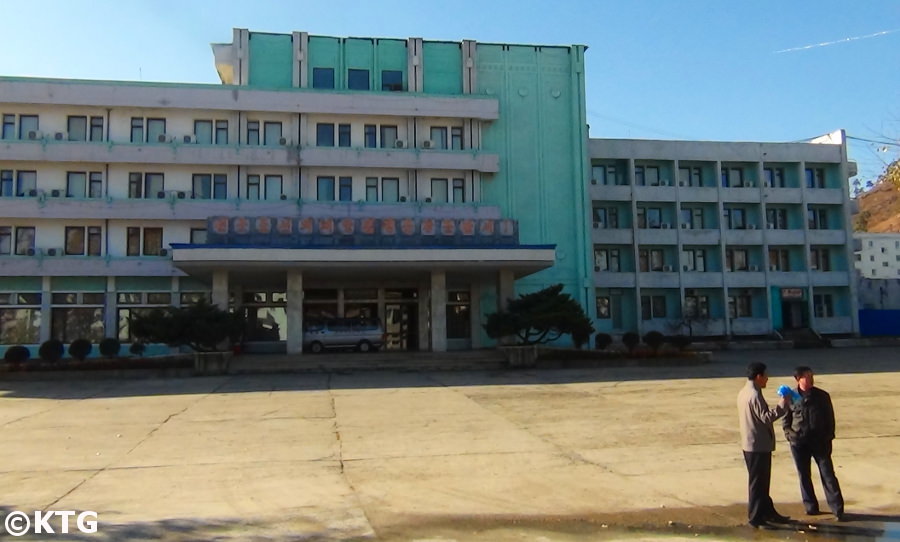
x: 716, y: 238
x: 877, y: 255
x: 420, y: 182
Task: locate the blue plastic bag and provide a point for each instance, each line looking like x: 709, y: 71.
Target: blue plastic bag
x: 784, y: 389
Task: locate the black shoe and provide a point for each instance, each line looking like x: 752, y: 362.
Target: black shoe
x: 763, y: 525
x: 813, y: 512
x: 778, y: 518
x: 840, y: 517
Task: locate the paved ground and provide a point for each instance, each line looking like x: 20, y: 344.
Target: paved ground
x: 626, y: 453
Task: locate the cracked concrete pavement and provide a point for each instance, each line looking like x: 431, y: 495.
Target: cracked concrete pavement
x: 560, y: 454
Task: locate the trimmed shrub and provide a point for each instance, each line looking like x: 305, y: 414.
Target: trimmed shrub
x: 654, y: 339
x: 17, y: 354
x: 680, y: 342
x: 80, y: 349
x: 110, y: 347
x: 137, y: 348
x: 52, y: 350
x: 602, y: 341
x: 631, y: 340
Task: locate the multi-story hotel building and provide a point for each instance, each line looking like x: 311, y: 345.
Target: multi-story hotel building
x: 724, y: 239
x: 877, y: 255
x: 422, y: 182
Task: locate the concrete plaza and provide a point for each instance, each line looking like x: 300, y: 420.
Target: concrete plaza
x: 575, y: 454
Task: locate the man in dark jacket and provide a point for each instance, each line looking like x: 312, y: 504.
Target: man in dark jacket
x: 809, y: 427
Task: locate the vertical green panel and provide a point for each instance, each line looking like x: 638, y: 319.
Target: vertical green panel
x: 442, y: 65
x: 391, y: 55
x: 359, y: 54
x: 325, y: 52
x: 271, y: 60
x: 78, y: 284
x: 20, y: 284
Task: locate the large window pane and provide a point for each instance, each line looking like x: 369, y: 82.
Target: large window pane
x: 272, y: 133
x: 76, y: 184
x: 20, y: 325
x: 203, y: 131
x: 77, y: 128
x: 357, y: 79
x: 70, y: 323
x: 324, y: 134
x: 392, y: 80
x: 390, y: 189
x: 273, y: 187
x: 323, y: 78
x: 325, y: 189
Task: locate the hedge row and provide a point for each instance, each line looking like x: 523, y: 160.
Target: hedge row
x: 54, y: 350
x: 653, y: 339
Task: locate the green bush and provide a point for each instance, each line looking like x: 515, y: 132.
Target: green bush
x: 602, y: 341
x: 52, y: 350
x: 680, y: 342
x: 654, y: 339
x: 17, y: 354
x: 80, y: 349
x: 137, y: 348
x: 631, y: 340
x: 110, y: 347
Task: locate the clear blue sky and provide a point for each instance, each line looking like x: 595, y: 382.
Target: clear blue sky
x: 656, y: 69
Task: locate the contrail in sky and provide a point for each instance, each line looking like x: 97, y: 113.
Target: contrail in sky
x: 845, y: 40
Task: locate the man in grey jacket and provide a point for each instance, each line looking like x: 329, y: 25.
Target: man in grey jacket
x: 758, y: 442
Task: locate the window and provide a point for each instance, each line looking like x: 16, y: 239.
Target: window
x: 272, y: 133
x: 221, y: 132
x: 252, y: 132
x: 146, y: 185
x: 357, y: 79
x: 439, y: 190
x: 345, y: 189
x: 324, y: 135
x: 5, y: 240
x: 692, y: 218
x: 819, y: 259
x: 439, y: 137
x: 371, y: 188
x: 76, y: 128
x: 343, y: 135
x: 156, y: 131
x: 653, y: 306
x: 146, y: 241
x: 24, y: 241
x: 274, y: 187
x: 456, y: 138
x: 390, y: 189
x: 137, y: 129
x: 9, y: 127
x: 696, y: 306
x: 210, y: 186
x: 26, y: 183
x: 323, y: 78
x: 77, y: 185
x: 370, y: 133
x: 388, y: 137
x: 736, y: 259
x: 779, y: 259
x: 81, y: 240
x: 735, y: 218
x: 776, y: 218
x: 690, y: 176
x: 649, y: 217
x: 817, y: 218
x: 325, y: 189
x: 815, y: 177
x: 198, y: 236
x: 651, y: 260
x: 459, y: 191
x: 6, y: 183
x: 740, y: 306
x: 605, y: 175
x: 607, y: 259
x: 96, y: 129
x: 68, y: 323
x: 823, y: 305
x: 774, y: 177
x: 254, y: 191
x: 732, y: 177
x: 603, y: 312
x: 606, y: 217
x: 693, y: 259
x: 203, y: 131
x: 391, y: 80
x: 27, y: 124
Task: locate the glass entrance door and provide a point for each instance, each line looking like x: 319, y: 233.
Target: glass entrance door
x: 401, y: 326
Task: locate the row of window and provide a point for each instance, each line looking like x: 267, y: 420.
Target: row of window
x: 695, y: 218
x: 731, y: 177
x: 87, y: 241
x: 697, y: 306
x: 695, y: 260
x: 81, y: 184
x: 357, y: 79
x: 215, y: 132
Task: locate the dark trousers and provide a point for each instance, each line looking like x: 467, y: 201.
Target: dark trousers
x: 759, y: 468
x: 803, y: 453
